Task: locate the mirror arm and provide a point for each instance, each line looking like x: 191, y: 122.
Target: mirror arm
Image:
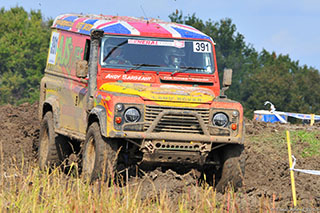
x: 222, y: 91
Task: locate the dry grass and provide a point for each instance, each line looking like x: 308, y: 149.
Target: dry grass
x: 24, y: 188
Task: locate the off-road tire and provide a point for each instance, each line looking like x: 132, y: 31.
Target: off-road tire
x: 233, y: 167
x: 53, y: 148
x: 99, y: 155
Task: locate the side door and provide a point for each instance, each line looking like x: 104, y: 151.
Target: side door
x: 73, y: 90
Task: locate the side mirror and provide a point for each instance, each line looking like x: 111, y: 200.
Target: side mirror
x: 227, y: 77
x: 81, y: 68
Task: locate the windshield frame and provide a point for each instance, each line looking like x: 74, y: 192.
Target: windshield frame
x: 210, y: 56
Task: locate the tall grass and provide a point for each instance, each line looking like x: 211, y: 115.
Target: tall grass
x: 24, y: 188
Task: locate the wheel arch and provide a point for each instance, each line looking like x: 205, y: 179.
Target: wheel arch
x: 51, y: 104
x: 98, y: 114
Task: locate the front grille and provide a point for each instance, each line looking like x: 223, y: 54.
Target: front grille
x: 177, y: 122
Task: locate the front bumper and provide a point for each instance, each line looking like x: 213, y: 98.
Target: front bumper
x: 175, y: 137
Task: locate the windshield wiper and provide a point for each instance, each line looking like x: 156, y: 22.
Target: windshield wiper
x: 183, y: 69
x: 137, y: 66
x: 113, y: 49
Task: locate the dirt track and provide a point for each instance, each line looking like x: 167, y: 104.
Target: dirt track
x: 19, y: 132
x: 267, y: 170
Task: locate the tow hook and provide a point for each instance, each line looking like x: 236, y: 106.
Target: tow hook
x: 149, y: 145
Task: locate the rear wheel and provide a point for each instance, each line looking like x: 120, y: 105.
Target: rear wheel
x: 53, y: 148
x: 99, y: 155
x: 233, y: 167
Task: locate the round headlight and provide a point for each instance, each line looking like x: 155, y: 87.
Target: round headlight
x: 220, y: 119
x: 132, y: 115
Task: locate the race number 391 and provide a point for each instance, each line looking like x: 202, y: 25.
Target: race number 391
x: 53, y: 48
x: 201, y: 47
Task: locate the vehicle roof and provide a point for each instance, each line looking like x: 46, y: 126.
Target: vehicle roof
x: 124, y: 25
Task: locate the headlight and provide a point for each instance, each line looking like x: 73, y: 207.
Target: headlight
x: 220, y: 119
x: 132, y: 115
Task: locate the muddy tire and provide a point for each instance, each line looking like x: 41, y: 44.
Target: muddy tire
x: 233, y: 168
x: 53, y: 148
x: 99, y: 155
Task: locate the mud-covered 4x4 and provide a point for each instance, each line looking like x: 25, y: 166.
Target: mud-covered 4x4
x: 138, y: 92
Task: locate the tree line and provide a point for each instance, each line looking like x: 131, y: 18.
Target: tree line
x: 24, y: 40
x: 257, y: 76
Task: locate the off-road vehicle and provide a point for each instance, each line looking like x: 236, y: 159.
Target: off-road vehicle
x: 138, y: 92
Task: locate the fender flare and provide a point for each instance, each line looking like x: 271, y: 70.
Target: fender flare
x: 54, y: 103
x: 100, y: 113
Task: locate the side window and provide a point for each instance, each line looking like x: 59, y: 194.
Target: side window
x: 87, y: 50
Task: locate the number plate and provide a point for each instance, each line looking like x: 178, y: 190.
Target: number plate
x: 201, y: 47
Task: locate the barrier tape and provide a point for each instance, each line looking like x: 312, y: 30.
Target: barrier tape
x: 303, y: 116
x: 311, y: 172
x: 311, y: 117
x: 279, y: 117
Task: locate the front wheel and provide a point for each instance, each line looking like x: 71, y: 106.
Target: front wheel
x: 233, y: 167
x: 99, y: 155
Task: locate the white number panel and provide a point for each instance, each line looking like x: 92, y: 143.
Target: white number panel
x: 53, y: 48
x: 201, y: 47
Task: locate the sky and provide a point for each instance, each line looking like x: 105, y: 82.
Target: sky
x: 283, y: 26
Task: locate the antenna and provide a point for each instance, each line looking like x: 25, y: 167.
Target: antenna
x: 145, y: 16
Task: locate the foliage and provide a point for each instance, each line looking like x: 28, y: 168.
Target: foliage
x: 259, y: 77
x: 24, y: 39
x: 288, y: 86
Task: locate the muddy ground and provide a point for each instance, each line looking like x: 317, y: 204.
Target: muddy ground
x: 267, y: 170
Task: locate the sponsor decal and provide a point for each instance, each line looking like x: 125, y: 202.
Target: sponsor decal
x: 84, y: 26
x: 125, y: 77
x: 68, y: 50
x: 174, y: 78
x: 64, y: 23
x: 175, y: 43
x: 79, y: 26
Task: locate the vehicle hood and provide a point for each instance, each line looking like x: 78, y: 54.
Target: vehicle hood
x: 160, y: 92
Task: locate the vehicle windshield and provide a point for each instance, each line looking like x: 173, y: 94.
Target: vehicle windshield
x: 169, y: 55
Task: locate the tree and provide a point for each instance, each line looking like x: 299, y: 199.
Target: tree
x: 24, y: 40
